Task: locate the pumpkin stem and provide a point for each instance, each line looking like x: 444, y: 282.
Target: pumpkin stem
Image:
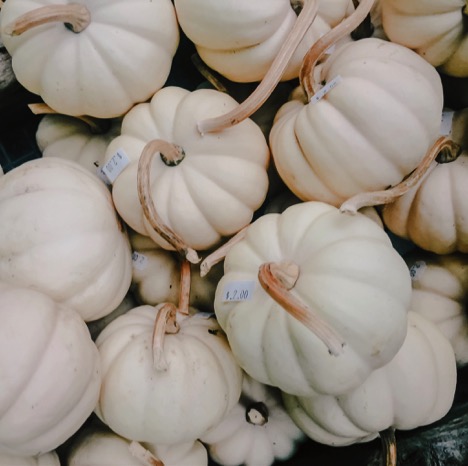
x: 314, y: 54
x: 208, y: 73
x: 444, y: 150
x: 75, y: 16
x: 256, y: 413
x: 184, y: 290
x: 96, y: 126
x: 144, y: 456
x: 389, y: 447
x: 219, y: 254
x: 171, y: 152
x: 270, y: 80
x: 278, y: 279
x: 165, y: 322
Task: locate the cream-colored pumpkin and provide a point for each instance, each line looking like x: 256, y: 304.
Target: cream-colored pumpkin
x: 50, y: 372
x: 47, y: 459
x: 156, y: 276
x: 256, y: 432
x: 433, y: 213
x: 440, y: 288
x: 121, y: 57
x: 240, y: 39
x: 199, y: 385
x: 436, y: 29
x: 348, y: 274
x: 416, y: 388
x: 74, y: 139
x: 214, y: 191
x: 61, y: 235
x: 99, y: 447
x: 355, y: 138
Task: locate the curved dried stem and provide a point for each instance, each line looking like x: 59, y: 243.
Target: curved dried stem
x: 219, y: 254
x: 165, y: 322
x: 75, y: 16
x: 389, y: 447
x: 172, y: 153
x: 444, y: 147
x: 95, y: 126
x: 144, y: 456
x: 184, y: 289
x: 208, y: 73
x: 349, y: 24
x: 270, y: 80
x: 277, y: 279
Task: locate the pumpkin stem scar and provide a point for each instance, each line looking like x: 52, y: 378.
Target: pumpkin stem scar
x: 277, y: 279
x: 444, y: 148
x: 389, y: 447
x: 144, y: 456
x: 256, y: 413
x: 75, y: 16
x: 349, y: 24
x: 272, y: 77
x: 219, y: 254
x: 165, y: 322
x: 149, y: 209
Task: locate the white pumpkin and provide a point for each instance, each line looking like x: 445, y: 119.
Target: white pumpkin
x: 345, y: 273
x: 436, y: 29
x: 256, y: 432
x: 215, y: 186
x: 332, y: 146
x: 99, y: 59
x: 415, y: 388
x: 99, y: 447
x: 177, y: 401
x: 240, y: 40
x: 61, y: 235
x: 156, y: 276
x: 440, y: 287
x: 74, y: 139
x: 50, y: 372
x: 46, y: 459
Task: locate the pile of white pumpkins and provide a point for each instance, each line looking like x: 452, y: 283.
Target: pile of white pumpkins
x: 185, y: 278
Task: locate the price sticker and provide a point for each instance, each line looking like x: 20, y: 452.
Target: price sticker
x: 319, y: 95
x: 417, y: 269
x: 114, y: 167
x: 139, y: 261
x: 446, y: 123
x: 238, y: 291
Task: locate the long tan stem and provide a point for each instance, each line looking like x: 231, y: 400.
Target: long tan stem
x: 95, y: 126
x: 144, y: 456
x: 389, y: 447
x: 443, y: 145
x: 184, y: 289
x: 276, y: 280
x: 219, y: 254
x: 172, y: 154
x: 75, y: 15
x: 271, y: 79
x: 349, y: 24
x: 165, y: 322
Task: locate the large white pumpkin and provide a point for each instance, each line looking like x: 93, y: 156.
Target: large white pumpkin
x: 50, y: 372
x: 61, y: 235
x: 47, y: 459
x: 348, y: 275
x: 121, y: 57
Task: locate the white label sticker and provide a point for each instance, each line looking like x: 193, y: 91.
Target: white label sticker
x: 446, y: 123
x: 139, y: 261
x: 238, y: 291
x: 319, y: 95
x: 102, y: 176
x: 113, y: 168
x: 417, y: 269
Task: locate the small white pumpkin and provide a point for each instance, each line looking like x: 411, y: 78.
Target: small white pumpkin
x: 343, y: 271
x: 61, y: 235
x: 173, y: 395
x: 99, y: 59
x: 256, y: 432
x: 50, y: 372
x: 415, y: 388
x: 46, y: 459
